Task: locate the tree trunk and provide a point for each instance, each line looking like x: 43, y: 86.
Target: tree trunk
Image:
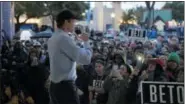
x: 18, y: 24
x: 150, y: 10
x: 149, y: 18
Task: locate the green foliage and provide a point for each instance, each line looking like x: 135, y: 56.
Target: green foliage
x: 128, y: 15
x: 47, y: 8
x: 40, y: 8
x: 177, y: 8
x: 78, y: 7
x: 30, y: 9
x: 134, y: 14
x: 138, y: 11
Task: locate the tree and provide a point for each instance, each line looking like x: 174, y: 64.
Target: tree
x: 138, y: 11
x: 128, y: 15
x: 42, y: 8
x: 53, y: 8
x: 150, y: 7
x: 177, y: 8
x: 30, y: 9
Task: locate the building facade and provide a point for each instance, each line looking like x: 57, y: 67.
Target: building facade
x: 104, y: 17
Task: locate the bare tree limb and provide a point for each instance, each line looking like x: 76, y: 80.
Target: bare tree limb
x: 26, y: 20
x: 153, y: 3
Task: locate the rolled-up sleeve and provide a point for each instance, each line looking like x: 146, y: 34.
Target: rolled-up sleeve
x: 80, y: 55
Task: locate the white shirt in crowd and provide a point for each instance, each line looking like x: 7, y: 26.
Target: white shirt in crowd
x: 63, y: 55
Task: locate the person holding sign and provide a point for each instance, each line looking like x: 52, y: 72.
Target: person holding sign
x: 153, y: 71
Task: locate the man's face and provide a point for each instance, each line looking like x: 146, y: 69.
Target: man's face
x: 70, y: 25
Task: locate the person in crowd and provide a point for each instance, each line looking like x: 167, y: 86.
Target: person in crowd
x: 36, y: 78
x: 172, y: 69
x: 150, y: 49
x: 18, y: 53
x: 152, y: 71
x: 160, y: 39
x: 82, y: 82
x: 96, y: 93
x: 118, y: 60
x: 116, y: 85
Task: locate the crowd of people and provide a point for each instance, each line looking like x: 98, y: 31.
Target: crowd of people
x: 113, y: 77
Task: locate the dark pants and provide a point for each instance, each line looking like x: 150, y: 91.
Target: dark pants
x: 64, y: 92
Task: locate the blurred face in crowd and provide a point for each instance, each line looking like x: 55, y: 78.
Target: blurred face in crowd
x: 118, y: 59
x: 164, y: 50
x: 181, y: 61
x: 38, y: 48
x: 160, y: 38
x: 173, y: 41
x: 123, y: 70
x: 106, y: 50
x: 28, y: 45
x: 151, y: 45
x: 99, y: 68
x: 32, y: 55
x: 172, y: 65
x: 151, y: 66
x: 34, y: 59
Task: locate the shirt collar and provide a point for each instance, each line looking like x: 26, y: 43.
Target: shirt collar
x: 61, y: 31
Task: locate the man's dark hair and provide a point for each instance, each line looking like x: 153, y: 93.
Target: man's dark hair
x: 64, y: 15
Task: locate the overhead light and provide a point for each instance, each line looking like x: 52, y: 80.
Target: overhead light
x: 121, y: 21
x: 83, y: 14
x: 112, y: 15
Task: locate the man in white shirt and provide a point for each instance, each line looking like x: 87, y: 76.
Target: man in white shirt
x: 63, y: 54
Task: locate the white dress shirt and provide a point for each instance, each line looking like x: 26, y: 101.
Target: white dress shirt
x: 63, y: 55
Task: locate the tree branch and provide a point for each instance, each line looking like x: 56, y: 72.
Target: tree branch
x: 153, y: 3
x: 26, y: 20
x: 17, y: 18
x: 147, y: 4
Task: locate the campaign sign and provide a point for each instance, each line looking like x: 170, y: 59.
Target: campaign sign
x: 162, y: 93
x: 139, y: 33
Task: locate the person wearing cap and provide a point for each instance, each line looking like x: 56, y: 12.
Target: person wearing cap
x: 63, y: 55
x: 172, y: 66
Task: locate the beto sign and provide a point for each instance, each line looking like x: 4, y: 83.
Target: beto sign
x: 138, y: 33
x: 162, y: 93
